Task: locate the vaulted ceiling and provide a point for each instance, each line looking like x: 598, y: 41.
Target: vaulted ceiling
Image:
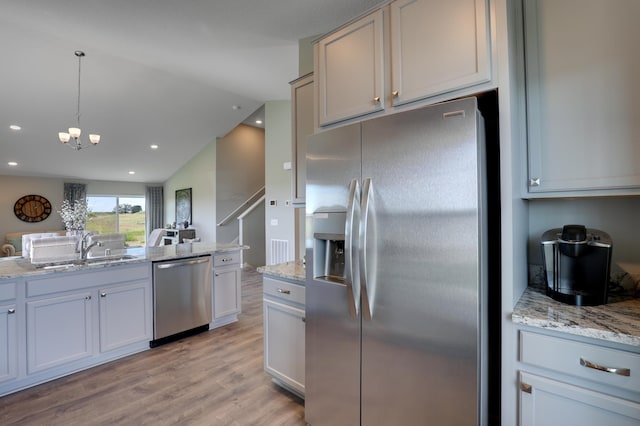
x: 165, y: 72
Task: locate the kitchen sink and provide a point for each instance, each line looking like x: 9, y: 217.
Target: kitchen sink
x: 101, y: 260
x: 109, y: 259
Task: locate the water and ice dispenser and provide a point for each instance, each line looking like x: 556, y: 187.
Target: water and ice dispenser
x: 329, y: 250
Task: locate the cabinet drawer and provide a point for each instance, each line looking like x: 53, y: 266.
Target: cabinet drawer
x: 7, y: 291
x: 284, y: 290
x: 226, y: 259
x: 581, y: 360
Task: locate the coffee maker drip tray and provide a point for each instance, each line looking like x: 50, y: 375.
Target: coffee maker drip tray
x: 577, y: 263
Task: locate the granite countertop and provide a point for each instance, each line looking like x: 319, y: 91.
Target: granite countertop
x: 617, y: 321
x: 14, y: 267
x: 289, y: 270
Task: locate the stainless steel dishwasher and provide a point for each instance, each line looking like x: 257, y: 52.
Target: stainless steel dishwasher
x: 181, y: 298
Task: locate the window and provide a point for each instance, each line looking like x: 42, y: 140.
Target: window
x: 124, y: 215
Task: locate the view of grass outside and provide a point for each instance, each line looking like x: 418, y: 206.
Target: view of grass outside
x: 106, y: 219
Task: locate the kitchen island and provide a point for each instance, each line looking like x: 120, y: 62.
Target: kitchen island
x: 61, y: 318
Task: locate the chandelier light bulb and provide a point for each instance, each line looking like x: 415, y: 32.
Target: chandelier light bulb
x: 64, y: 137
x: 94, y: 139
x: 75, y: 132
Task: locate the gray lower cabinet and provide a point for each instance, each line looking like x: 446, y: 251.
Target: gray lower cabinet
x: 284, y: 333
x: 565, y: 382
x: 227, y: 288
x: 59, y: 330
x: 583, y: 97
x: 8, y: 332
x: 124, y: 315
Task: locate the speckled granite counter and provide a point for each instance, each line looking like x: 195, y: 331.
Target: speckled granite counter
x: 618, y: 321
x: 12, y: 267
x: 289, y: 270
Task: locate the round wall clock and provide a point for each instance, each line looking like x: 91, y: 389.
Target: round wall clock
x: 32, y: 208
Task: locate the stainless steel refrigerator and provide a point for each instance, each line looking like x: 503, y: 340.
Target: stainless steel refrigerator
x: 396, y: 270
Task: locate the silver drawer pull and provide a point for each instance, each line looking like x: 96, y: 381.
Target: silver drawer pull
x: 11, y: 311
x: 620, y: 371
x: 284, y: 291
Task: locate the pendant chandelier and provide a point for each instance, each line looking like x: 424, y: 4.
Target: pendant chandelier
x: 72, y: 138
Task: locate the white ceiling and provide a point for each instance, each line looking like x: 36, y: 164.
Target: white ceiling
x: 164, y: 72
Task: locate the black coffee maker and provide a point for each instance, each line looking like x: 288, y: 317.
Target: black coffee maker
x: 577, y: 263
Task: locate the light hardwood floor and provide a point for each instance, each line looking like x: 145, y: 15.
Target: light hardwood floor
x: 213, y: 378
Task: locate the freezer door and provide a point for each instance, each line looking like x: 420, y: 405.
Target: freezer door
x: 421, y: 219
x: 332, y: 387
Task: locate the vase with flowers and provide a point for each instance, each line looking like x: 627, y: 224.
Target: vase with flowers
x: 74, y: 216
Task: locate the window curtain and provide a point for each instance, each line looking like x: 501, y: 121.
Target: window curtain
x: 75, y: 191
x: 154, y: 204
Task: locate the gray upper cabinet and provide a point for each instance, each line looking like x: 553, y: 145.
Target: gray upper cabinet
x: 350, y: 70
x: 302, y: 126
x: 406, y: 51
x: 438, y: 47
x: 583, y: 97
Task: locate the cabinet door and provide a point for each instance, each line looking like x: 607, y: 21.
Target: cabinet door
x: 302, y: 126
x: 58, y: 331
x: 583, y: 94
x: 125, y: 315
x: 226, y: 292
x: 350, y: 70
x: 546, y: 402
x: 284, y: 335
x: 437, y: 47
x: 8, y: 343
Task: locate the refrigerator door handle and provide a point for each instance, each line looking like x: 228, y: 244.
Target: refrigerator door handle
x: 352, y: 222
x: 368, y: 249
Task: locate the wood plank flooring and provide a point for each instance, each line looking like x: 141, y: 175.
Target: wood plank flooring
x: 213, y: 378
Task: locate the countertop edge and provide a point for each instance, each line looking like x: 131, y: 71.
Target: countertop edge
x: 617, y: 322
x: 18, y: 267
x: 294, y: 271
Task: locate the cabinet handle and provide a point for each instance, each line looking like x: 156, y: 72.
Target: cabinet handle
x: 525, y: 387
x: 103, y: 294
x: 534, y: 182
x: 395, y: 93
x: 216, y: 274
x: 227, y: 259
x: 87, y: 298
x: 304, y: 319
x: 12, y: 311
x: 376, y: 99
x: 619, y: 371
x: 284, y: 291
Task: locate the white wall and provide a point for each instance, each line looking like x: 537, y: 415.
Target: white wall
x: 239, y: 174
x: 199, y: 174
x: 14, y: 187
x: 279, y: 219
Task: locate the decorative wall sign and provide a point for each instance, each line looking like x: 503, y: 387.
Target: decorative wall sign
x: 32, y: 208
x: 183, y: 206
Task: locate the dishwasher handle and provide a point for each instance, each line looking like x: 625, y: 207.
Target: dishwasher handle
x: 168, y: 265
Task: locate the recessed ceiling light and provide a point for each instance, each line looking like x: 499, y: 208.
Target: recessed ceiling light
x: 12, y: 163
x: 236, y: 107
x: 15, y: 127
x: 258, y: 121
x: 131, y: 172
x: 154, y: 146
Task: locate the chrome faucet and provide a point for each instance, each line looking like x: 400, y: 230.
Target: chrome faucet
x: 84, y: 249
